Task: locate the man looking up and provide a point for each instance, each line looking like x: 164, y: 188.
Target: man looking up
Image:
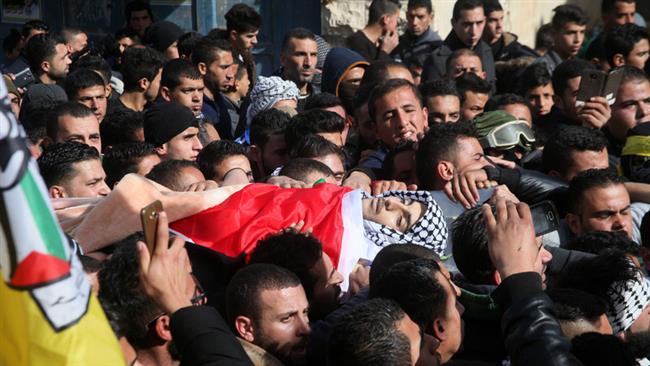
x: 214, y: 59
x: 569, y: 24
x: 468, y: 22
x: 48, y: 57
x: 379, y: 37
x: 419, y: 39
x: 298, y: 58
x: 141, y: 71
x: 173, y: 130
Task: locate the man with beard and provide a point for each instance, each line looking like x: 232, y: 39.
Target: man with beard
x: 267, y: 307
x: 298, y: 58
x: 48, y: 58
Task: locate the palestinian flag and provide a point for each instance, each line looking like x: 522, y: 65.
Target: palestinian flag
x: 49, y: 315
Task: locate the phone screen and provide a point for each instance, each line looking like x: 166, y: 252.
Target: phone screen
x: 545, y: 218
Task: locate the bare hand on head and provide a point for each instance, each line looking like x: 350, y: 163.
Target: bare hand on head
x: 381, y: 186
x: 164, y: 272
x: 503, y: 192
x: 286, y: 182
x: 359, y: 278
x: 464, y: 187
x: 511, y: 237
x: 358, y: 180
x: 297, y: 227
x: 202, y: 186
x: 595, y: 112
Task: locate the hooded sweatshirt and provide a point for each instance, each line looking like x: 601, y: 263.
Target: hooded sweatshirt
x: 338, y: 63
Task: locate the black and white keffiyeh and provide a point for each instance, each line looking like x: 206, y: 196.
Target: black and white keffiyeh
x: 430, y: 231
x: 627, y: 299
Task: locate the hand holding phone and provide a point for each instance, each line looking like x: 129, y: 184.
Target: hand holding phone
x: 149, y: 217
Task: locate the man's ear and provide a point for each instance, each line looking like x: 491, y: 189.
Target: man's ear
x: 57, y: 192
x: 439, y: 330
x: 618, y: 60
x: 425, y: 117
x: 161, y: 150
x: 245, y: 329
x: 497, y: 278
x: 144, y: 83
x: 166, y: 94
x: 162, y: 328
x: 203, y: 68
x: 109, y: 90
x: 232, y: 35
x: 445, y: 170
x: 573, y: 221
x: 45, y: 66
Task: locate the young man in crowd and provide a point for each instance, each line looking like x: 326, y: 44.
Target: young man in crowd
x: 138, y: 16
x: 220, y: 157
x: 474, y: 94
x: 463, y: 61
x: 268, y: 149
x: 48, y: 57
x: 627, y: 44
x: 442, y: 101
x: 504, y: 44
x: 418, y: 39
x: 537, y: 89
x: 613, y: 13
x: 379, y: 37
x: 243, y: 25
x: 569, y: 27
x: 298, y: 58
x: 141, y: 72
x: 88, y: 88
x: 74, y: 121
x: 173, y: 130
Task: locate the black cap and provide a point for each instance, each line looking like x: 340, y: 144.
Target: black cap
x: 165, y: 120
x: 163, y: 34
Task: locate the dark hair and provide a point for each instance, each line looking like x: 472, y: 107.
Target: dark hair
x: 596, y: 349
x: 81, y: 79
x: 631, y: 73
x: 295, y: 33
x: 566, y: 140
x: 586, y: 180
x: 568, y: 13
x: 377, y: 72
x: 34, y: 24
x: 609, y: 5
x: 39, y: 48
x: 438, y: 87
x: 73, y: 109
x: 176, y: 69
x: 94, y: 63
x: 56, y: 162
x: 120, y: 126
x: 137, y: 5
x: 121, y: 295
x: 461, y: 53
x: 368, y: 335
x: 388, y: 165
x: 379, y: 8
x: 573, y: 305
x: 215, y: 153
x: 569, y: 69
x: 11, y: 41
x: 300, y: 168
x: 388, y: 87
x: 621, y: 40
x: 596, y: 242
x: 312, y: 122
x: 362, y: 96
x: 491, y: 5
x: 471, y: 82
x: 245, y: 287
x: 122, y: 159
x: 168, y: 173
x: 315, y: 146
x: 268, y: 123
x: 534, y: 76
x: 544, y: 37
x: 439, y: 143
x: 242, y: 18
x: 502, y: 100
x: 396, y: 253
x: 186, y: 43
x: 470, y: 248
x: 138, y: 63
x: 416, y: 4
x: 206, y: 50
x: 322, y: 101
x: 414, y: 286
x: 294, y: 251
x: 461, y: 5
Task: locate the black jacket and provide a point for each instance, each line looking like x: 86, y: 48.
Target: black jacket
x: 435, y: 66
x: 202, y: 338
x: 508, y: 47
x: 413, y: 47
x: 532, y: 334
x: 528, y: 185
x: 359, y: 43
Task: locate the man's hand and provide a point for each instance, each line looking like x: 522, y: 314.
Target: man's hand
x: 359, y: 278
x: 511, y: 237
x: 464, y: 187
x: 381, y: 186
x: 595, y: 112
x: 286, y: 182
x: 503, y: 192
x: 389, y: 42
x: 202, y: 186
x: 163, y: 273
x: 297, y: 228
x: 501, y: 162
x: 358, y: 180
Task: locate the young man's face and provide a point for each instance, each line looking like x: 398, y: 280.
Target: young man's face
x: 273, y: 154
x: 393, y: 212
x: 154, y: 87
x: 602, y: 209
x: 244, y: 41
x: 95, y: 99
x: 568, y: 39
x: 494, y: 26
x: 623, y: 13
x: 78, y: 43
x: 139, y: 21
x: 220, y: 74
x: 80, y: 129
x: 639, y: 54
x: 335, y: 163
x: 88, y: 180
x: 418, y: 20
x: 585, y: 160
x: 566, y: 100
x: 326, y: 291
x: 464, y: 64
x: 188, y: 93
x: 473, y: 105
x: 443, y: 109
x: 300, y: 62
x: 469, y: 26
x: 541, y: 99
x: 59, y: 63
x: 469, y: 155
x: 452, y: 320
x: 631, y: 108
x: 283, y: 328
x: 399, y: 117
x: 184, y: 146
x: 171, y: 53
x: 232, y: 162
x: 520, y: 112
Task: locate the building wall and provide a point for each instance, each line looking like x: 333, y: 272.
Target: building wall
x: 523, y: 17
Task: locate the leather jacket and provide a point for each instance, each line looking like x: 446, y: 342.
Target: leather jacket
x: 528, y: 185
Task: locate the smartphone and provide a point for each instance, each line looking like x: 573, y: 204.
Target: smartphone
x: 545, y: 217
x: 149, y: 218
x: 23, y: 78
x: 610, y: 90
x: 592, y: 84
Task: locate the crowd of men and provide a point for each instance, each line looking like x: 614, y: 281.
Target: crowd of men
x: 476, y: 111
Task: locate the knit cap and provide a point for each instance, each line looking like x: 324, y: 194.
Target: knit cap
x: 165, y: 120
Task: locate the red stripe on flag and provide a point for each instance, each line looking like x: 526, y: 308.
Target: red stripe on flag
x: 39, y: 268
